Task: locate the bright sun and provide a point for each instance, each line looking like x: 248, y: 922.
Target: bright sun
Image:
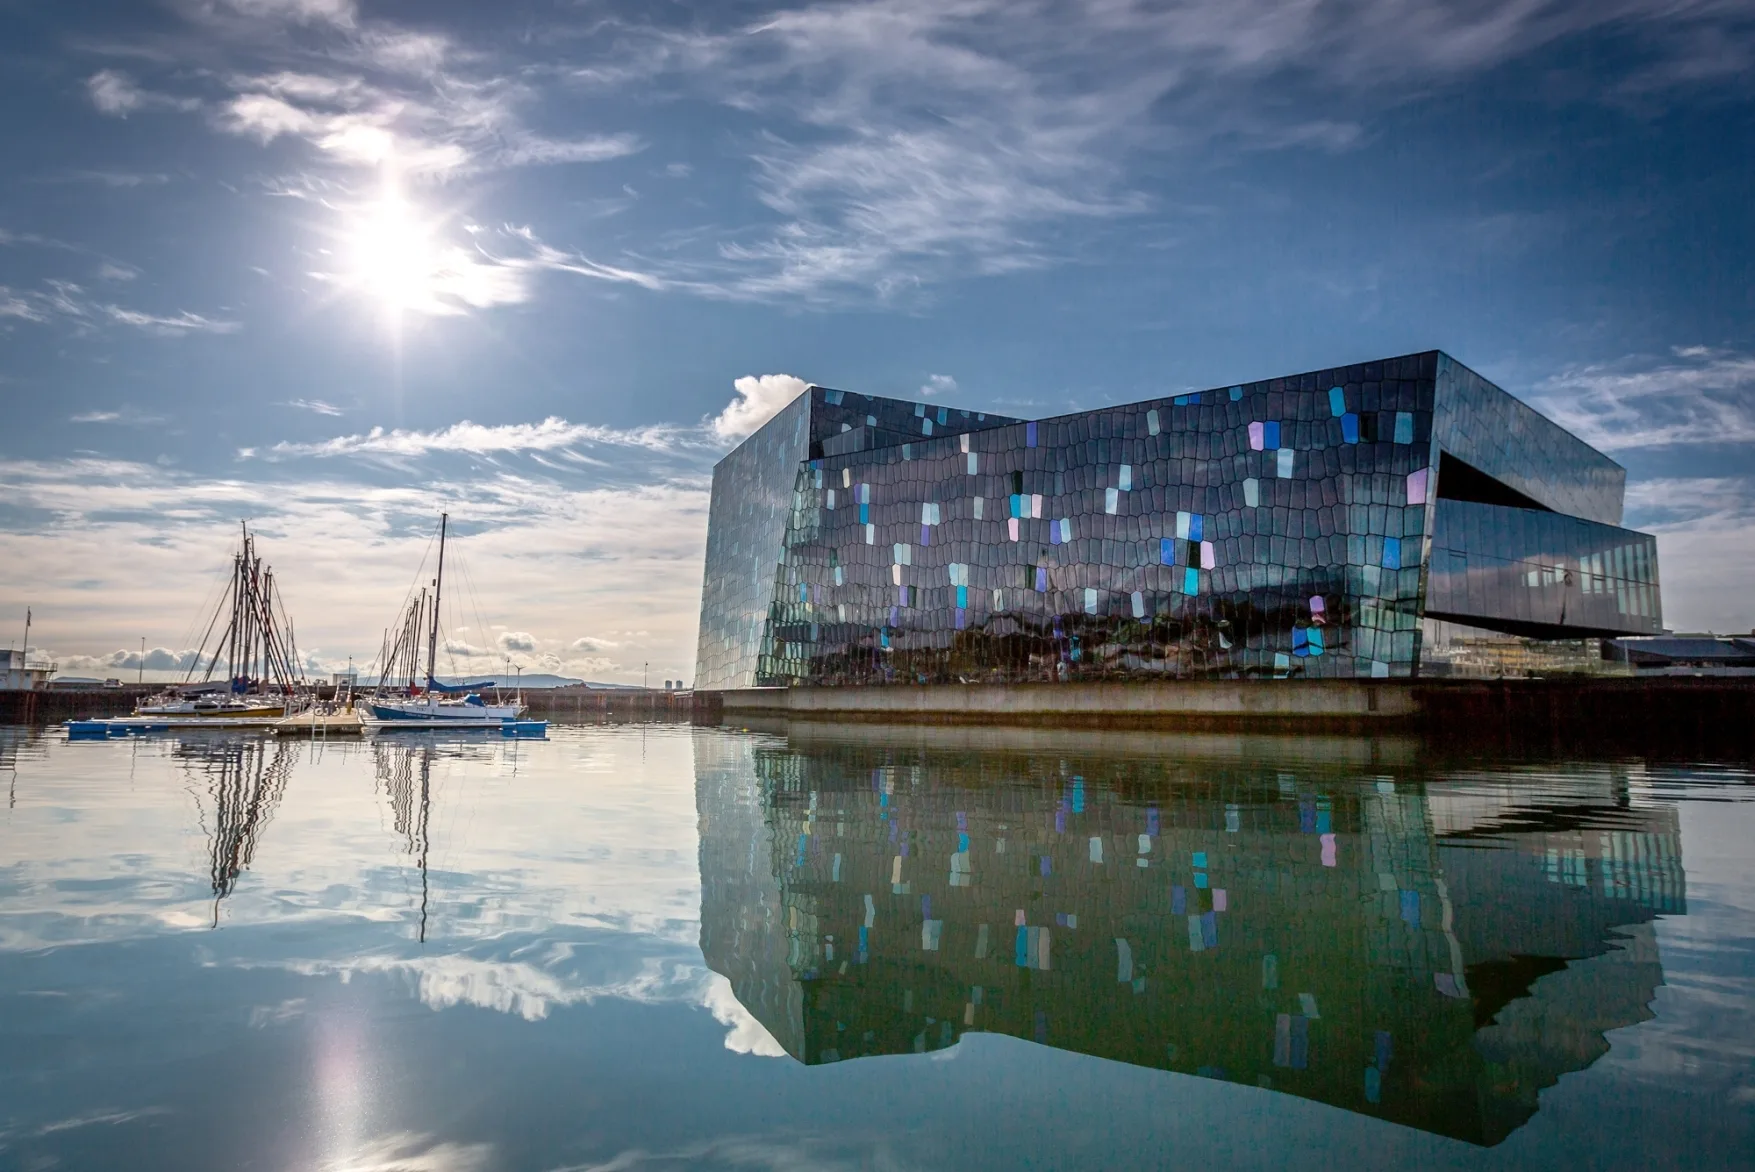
x: 395, y: 258
x: 401, y: 257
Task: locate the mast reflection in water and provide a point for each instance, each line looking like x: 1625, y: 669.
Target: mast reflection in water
x: 406, y: 772
x: 244, y: 780
x: 1427, y: 947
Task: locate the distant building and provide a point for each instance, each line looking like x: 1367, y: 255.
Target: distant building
x: 1397, y: 518
x: 345, y: 679
x: 17, y: 675
x: 1686, y: 655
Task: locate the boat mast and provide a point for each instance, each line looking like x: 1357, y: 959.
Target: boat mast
x: 438, y: 585
x: 231, y: 654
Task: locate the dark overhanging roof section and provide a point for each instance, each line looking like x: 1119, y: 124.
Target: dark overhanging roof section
x: 1458, y: 481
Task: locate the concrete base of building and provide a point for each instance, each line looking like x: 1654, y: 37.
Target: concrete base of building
x: 1667, y: 715
x: 1183, y: 703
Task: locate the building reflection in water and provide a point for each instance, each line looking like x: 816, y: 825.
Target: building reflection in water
x: 1430, y: 947
x: 243, y: 781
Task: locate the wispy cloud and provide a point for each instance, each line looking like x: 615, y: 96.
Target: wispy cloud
x: 475, y: 439
x: 116, y: 179
x: 409, y: 1151
x: 534, y: 149
x: 68, y: 302
x: 342, y: 13
x: 316, y: 406
x: 377, y: 105
x: 173, y: 325
x: 892, y: 144
x: 1697, y: 395
x: 907, y: 140
x: 100, y: 1118
x: 20, y: 306
x: 757, y: 398
x: 115, y: 93
x: 127, y: 416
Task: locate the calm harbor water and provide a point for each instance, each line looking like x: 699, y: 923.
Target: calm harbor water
x: 661, y: 946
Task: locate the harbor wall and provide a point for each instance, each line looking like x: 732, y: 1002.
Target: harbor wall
x: 1189, y: 702
x: 1586, y: 710
x: 650, y: 703
x: 51, y: 706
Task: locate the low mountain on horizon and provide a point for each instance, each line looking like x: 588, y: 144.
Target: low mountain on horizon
x: 530, y: 680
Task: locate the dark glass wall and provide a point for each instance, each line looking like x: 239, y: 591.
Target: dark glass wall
x: 1522, y: 569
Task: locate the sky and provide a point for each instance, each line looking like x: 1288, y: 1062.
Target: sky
x: 336, y: 266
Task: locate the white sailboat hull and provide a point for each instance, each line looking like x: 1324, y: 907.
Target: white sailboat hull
x: 430, y: 712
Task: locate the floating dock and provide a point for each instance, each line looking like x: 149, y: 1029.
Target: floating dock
x: 511, y: 728
x: 130, y: 725
x: 345, y: 723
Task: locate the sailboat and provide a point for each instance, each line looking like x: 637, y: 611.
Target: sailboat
x: 263, y: 677
x: 430, y: 704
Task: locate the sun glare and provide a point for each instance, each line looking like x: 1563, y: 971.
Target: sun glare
x: 399, y: 256
x: 396, y: 258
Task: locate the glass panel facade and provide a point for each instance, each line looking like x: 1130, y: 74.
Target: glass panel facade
x: 752, y: 499
x: 746, y: 525
x: 1278, y: 528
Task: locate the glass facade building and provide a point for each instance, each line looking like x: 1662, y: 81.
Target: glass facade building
x: 1386, y: 519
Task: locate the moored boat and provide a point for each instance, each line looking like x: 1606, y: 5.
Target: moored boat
x: 262, y: 682
x: 428, y: 703
x: 209, y: 706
